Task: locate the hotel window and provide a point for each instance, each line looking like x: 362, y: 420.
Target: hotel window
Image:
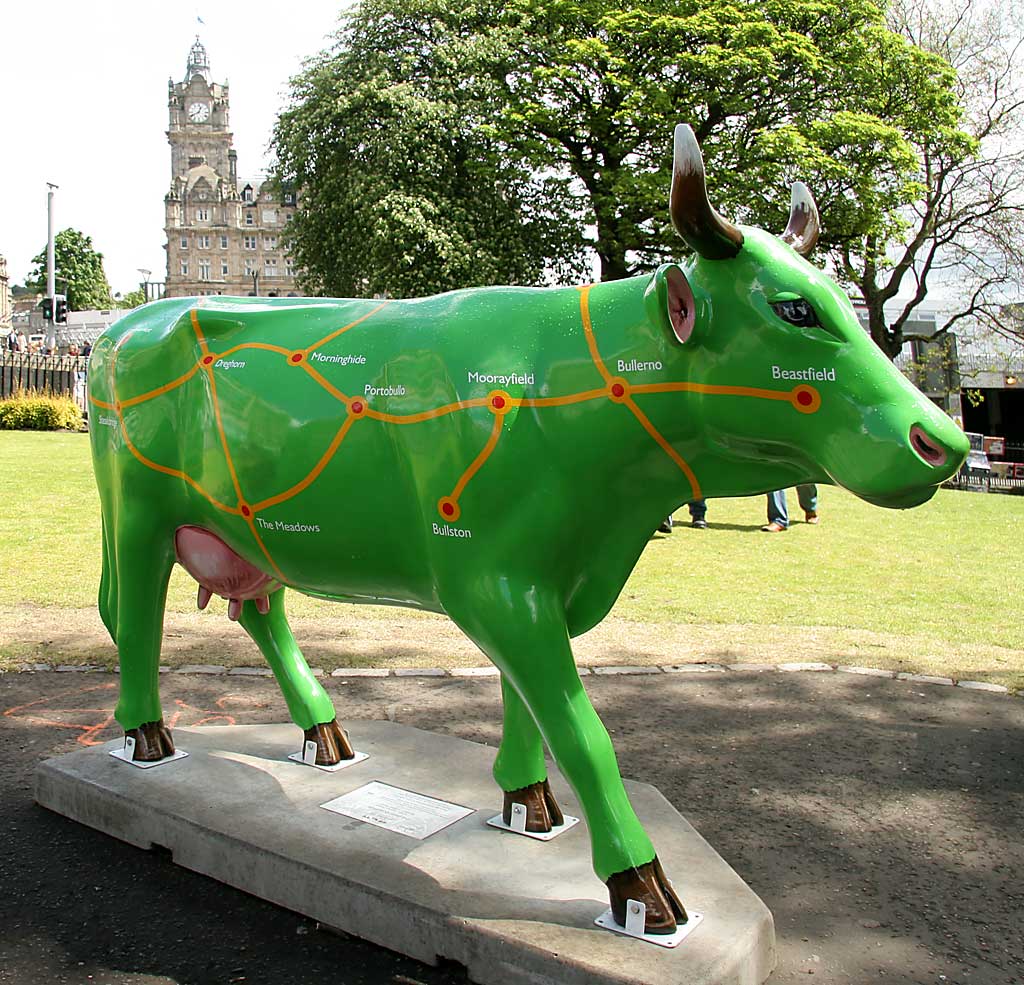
x: 184, y: 242
x: 290, y: 268
x: 204, y: 269
x: 270, y: 267
x: 223, y: 242
x: 249, y: 219
x: 203, y: 242
x: 223, y: 268
x: 202, y: 215
x: 249, y: 242
x: 250, y: 267
x: 247, y: 193
x: 184, y: 268
x: 270, y: 242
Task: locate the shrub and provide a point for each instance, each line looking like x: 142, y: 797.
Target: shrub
x: 39, y: 410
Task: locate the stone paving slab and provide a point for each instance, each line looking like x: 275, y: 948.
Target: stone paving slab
x: 513, y: 910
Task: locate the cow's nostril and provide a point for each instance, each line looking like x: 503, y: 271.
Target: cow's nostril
x: 932, y: 453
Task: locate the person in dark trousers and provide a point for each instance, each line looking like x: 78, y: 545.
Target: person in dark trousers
x: 698, y: 510
x: 778, y: 514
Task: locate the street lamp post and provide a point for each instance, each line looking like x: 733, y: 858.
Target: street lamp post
x: 146, y: 274
x: 256, y: 283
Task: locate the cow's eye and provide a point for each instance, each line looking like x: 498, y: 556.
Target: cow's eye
x: 797, y: 312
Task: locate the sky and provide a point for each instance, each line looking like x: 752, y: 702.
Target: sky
x: 84, y: 105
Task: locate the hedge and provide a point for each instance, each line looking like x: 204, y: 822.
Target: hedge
x: 39, y: 410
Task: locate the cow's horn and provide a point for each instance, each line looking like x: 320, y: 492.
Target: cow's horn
x: 802, y: 231
x: 704, y: 230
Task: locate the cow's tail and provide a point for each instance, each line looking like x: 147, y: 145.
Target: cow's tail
x: 108, y: 585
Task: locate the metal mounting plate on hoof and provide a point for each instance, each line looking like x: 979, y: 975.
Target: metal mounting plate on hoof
x: 636, y: 913
x: 518, y: 825
x: 308, y: 758
x: 125, y: 755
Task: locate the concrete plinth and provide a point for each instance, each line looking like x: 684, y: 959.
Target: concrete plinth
x: 513, y: 910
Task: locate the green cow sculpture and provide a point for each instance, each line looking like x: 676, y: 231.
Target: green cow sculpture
x: 500, y: 455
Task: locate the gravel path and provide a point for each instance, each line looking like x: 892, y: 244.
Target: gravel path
x: 880, y: 821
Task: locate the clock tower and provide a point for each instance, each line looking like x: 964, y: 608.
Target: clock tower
x: 198, y: 108
x: 223, y: 237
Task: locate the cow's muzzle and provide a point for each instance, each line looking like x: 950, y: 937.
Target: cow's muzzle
x: 926, y: 448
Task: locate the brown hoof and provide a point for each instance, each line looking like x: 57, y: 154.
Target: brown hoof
x: 542, y: 811
x: 332, y: 745
x: 648, y: 885
x: 152, y: 741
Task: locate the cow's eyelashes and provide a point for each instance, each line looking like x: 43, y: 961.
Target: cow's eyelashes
x: 797, y: 312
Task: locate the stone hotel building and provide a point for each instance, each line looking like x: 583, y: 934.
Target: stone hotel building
x: 223, y: 236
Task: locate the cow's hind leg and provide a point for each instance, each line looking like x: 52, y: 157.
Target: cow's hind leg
x: 139, y: 559
x: 527, y: 639
x: 308, y: 704
x: 520, y: 768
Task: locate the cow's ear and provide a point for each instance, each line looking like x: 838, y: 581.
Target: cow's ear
x: 669, y: 299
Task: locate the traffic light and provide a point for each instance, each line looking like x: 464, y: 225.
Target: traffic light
x: 47, y: 309
x: 60, y: 309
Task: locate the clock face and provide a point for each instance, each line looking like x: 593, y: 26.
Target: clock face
x: 198, y: 112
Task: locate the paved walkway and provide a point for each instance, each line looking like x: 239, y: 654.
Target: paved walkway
x: 880, y: 820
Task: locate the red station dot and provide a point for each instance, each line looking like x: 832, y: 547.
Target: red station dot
x: 498, y: 402
x: 246, y: 511
x: 357, y: 407
x: 804, y: 398
x: 618, y: 390
x: 447, y: 509
x: 207, y: 360
x: 297, y: 357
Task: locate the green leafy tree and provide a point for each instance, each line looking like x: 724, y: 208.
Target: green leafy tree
x: 133, y: 299
x: 405, y: 190
x: 965, y: 230
x: 79, y: 271
x: 586, y: 93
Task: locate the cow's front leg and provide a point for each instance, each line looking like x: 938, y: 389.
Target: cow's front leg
x: 525, y: 636
x: 308, y: 704
x: 135, y: 593
x: 519, y: 766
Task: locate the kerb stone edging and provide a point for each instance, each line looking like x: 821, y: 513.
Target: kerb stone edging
x: 487, y: 671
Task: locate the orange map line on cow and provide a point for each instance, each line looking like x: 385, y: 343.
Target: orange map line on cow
x: 616, y: 389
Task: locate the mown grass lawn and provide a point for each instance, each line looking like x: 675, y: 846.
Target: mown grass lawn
x: 936, y: 588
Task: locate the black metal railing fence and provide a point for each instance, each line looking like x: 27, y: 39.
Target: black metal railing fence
x: 30, y: 371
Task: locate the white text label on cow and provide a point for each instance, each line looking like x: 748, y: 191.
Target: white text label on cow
x: 110, y: 422
x: 291, y: 528
x: 803, y: 374
x: 501, y: 379
x: 229, y: 364
x: 383, y: 391
x: 339, y: 360
x: 637, y: 366
x: 444, y: 530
